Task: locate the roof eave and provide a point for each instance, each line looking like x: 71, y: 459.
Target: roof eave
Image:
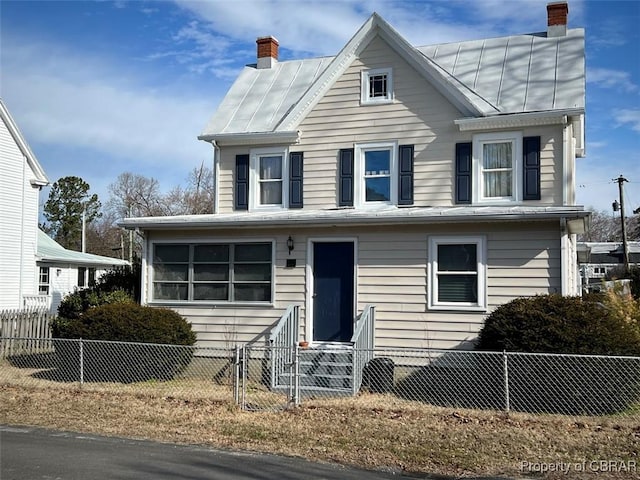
x: 263, y: 138
x: 518, y: 120
x: 268, y: 221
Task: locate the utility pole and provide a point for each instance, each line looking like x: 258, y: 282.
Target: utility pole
x: 625, y: 246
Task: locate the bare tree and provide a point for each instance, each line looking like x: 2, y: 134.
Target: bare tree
x: 134, y: 195
x: 606, y: 227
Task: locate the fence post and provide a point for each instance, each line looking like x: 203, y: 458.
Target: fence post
x: 296, y: 370
x: 236, y: 375
x: 243, y: 373
x: 81, y: 363
x: 505, y: 363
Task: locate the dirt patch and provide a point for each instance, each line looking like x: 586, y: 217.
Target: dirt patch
x: 369, y: 431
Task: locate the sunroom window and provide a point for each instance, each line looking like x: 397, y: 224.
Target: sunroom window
x: 457, y: 273
x: 216, y: 272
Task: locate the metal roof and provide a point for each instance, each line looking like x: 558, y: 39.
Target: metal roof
x: 507, y: 75
x: 351, y: 216
x: 51, y: 251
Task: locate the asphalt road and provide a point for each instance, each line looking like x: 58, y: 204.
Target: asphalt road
x: 36, y: 454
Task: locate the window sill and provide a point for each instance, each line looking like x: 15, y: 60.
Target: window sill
x: 370, y: 103
x: 206, y: 303
x: 457, y: 308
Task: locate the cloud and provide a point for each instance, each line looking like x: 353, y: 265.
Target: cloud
x: 607, y: 78
x: 71, y: 100
x: 629, y: 117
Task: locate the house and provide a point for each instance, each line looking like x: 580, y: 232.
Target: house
x: 35, y: 271
x: 597, y: 259
x: 62, y: 271
x: 21, y: 178
x: 395, y: 192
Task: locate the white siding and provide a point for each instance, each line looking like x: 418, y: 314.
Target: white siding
x: 522, y: 260
x: 18, y: 224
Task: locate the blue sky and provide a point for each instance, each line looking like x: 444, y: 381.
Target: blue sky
x: 103, y: 87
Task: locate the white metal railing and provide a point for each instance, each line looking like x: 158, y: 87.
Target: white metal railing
x: 362, y: 341
x: 36, y: 301
x: 282, y: 342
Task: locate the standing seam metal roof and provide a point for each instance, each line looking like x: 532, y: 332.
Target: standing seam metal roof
x: 514, y: 74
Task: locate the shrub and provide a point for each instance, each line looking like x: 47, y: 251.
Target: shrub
x: 139, y: 354
x: 597, y: 325
x: 75, y: 304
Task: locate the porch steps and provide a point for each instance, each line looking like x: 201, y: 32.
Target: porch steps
x: 324, y: 372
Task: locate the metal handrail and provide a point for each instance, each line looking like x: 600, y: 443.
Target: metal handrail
x: 362, y: 340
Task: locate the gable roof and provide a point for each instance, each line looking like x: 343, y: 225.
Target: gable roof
x: 51, y: 251
x: 40, y: 178
x: 508, y: 75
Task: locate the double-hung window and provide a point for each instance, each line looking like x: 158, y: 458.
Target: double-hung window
x: 457, y: 273
x: 376, y: 170
x: 269, y: 178
x: 82, y: 277
x: 43, y: 281
x: 497, y: 157
x: 213, y: 272
x: 376, y: 86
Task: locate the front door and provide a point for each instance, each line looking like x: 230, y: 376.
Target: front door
x: 333, y: 291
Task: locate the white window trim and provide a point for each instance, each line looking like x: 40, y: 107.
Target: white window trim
x: 360, y: 193
x: 478, y: 141
x: 364, y: 86
x: 150, y: 300
x: 254, y: 183
x: 481, y: 246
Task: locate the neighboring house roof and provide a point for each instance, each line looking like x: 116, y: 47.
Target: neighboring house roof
x: 350, y: 216
x: 509, y: 75
x: 51, y: 251
x: 607, y: 252
x: 40, y: 178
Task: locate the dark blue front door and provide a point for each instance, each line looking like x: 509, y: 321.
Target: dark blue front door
x: 333, y: 291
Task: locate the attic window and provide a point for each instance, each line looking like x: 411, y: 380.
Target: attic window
x: 376, y: 86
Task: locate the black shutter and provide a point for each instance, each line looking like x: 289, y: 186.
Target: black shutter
x: 405, y: 176
x: 463, y: 172
x: 346, y: 178
x: 531, y: 168
x: 242, y: 182
x: 295, y: 179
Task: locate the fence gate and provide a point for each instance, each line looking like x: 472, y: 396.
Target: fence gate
x: 254, y: 385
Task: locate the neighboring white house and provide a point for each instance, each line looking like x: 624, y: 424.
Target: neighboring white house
x: 434, y: 183
x: 62, y: 271
x: 21, y: 178
x: 596, y: 259
x: 34, y: 269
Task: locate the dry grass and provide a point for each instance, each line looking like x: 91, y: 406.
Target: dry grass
x: 370, y: 431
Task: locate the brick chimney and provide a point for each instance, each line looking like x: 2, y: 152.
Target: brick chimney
x: 267, y: 52
x: 557, y: 19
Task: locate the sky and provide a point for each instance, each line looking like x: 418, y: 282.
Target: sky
x: 99, y: 88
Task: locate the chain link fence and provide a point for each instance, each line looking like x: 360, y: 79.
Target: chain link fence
x: 263, y: 378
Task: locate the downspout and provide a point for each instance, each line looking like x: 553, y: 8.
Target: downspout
x: 565, y: 162
x: 564, y: 256
x: 143, y: 267
x: 216, y: 175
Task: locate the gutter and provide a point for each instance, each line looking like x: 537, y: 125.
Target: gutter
x: 263, y: 138
x: 323, y: 218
